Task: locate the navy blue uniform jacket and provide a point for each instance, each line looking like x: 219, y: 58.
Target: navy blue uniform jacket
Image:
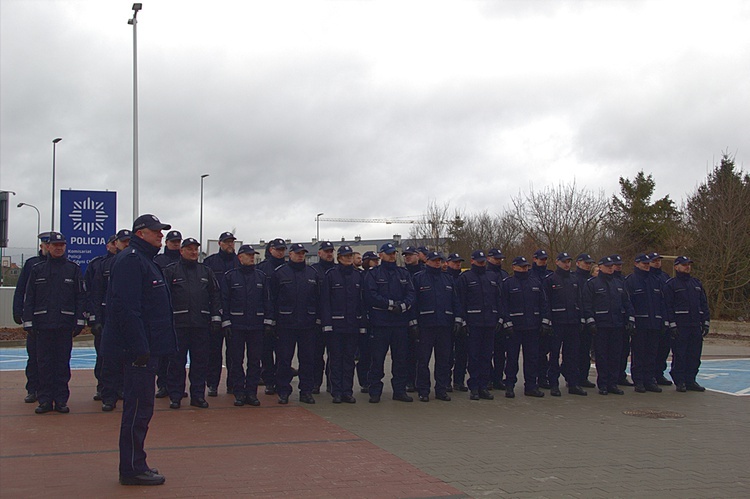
x: 685, y: 301
x: 389, y: 295
x: 437, y: 298
x: 196, y: 297
x: 246, y: 299
x: 479, y: 295
x: 295, y: 291
x: 605, y: 302
x: 564, y: 295
x: 55, y: 296
x: 524, y: 304
x: 341, y: 305
x: 644, y: 289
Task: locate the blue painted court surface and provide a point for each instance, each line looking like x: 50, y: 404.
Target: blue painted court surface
x: 730, y: 376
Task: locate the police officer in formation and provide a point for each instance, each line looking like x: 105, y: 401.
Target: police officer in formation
x: 582, y: 274
x: 196, y: 306
x: 32, y: 372
x: 438, y: 319
x: 495, y: 260
x: 413, y: 263
x: 662, y: 351
x: 540, y: 271
x: 274, y: 258
x: 53, y: 310
x: 458, y: 355
x: 689, y: 320
x: 170, y: 254
x: 325, y: 262
x: 369, y: 260
x: 622, y: 377
x: 343, y: 320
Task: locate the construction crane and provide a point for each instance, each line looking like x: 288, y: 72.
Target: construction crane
x: 371, y: 220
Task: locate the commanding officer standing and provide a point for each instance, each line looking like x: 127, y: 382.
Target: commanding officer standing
x: 274, y: 258
x: 525, y: 317
x: 389, y: 297
x: 563, y: 293
x: 295, y: 291
x: 608, y: 314
x: 645, y: 293
x: 495, y: 260
x: 220, y: 262
x: 583, y: 274
x: 246, y: 310
x: 439, y: 318
x: 662, y: 351
x: 342, y: 315
x: 32, y: 371
x: 139, y: 328
x: 324, y: 264
x: 413, y: 263
x: 457, y: 361
x: 480, y: 299
x: 689, y: 320
x: 53, y: 309
x: 196, y: 303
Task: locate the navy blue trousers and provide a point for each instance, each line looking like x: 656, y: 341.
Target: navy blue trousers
x: 498, y: 360
x: 529, y: 340
x: 320, y: 361
x: 624, y: 354
x: 397, y: 340
x: 304, y: 341
x: 459, y: 358
x: 112, y: 378
x: 195, y: 341
x: 250, y: 343
x: 480, y: 343
x: 32, y: 371
x: 412, y: 359
x: 98, y: 363
x: 645, y: 345
x: 53, y: 364
x: 268, y: 361
x: 608, y: 345
x: 342, y: 348
x: 686, y: 354
x: 567, y: 337
x: 137, y: 409
x: 363, y: 359
x: 584, y: 355
x: 215, y: 356
x: 437, y: 339
x: 545, y: 345
x: 662, y: 354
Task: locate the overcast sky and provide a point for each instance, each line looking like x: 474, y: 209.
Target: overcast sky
x: 363, y: 109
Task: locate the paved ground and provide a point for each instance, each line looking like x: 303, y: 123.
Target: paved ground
x: 550, y: 447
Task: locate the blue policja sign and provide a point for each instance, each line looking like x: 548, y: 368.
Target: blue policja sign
x: 87, y: 219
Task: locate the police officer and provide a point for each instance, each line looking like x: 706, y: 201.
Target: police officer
x: 32, y: 371
x: 458, y: 357
x: 645, y: 293
x: 389, y: 296
x: 525, y: 317
x: 662, y: 351
x: 413, y: 263
x: 139, y: 328
x: 274, y: 258
x: 196, y: 304
x: 495, y: 260
x: 438, y: 318
x: 563, y: 293
x: 171, y: 253
x: 480, y: 299
x: 423, y: 251
x: 325, y: 262
x: 609, y: 315
x: 342, y: 315
x: 540, y: 270
x: 622, y: 376
x: 295, y: 291
x: 689, y: 319
x: 369, y: 260
x: 246, y: 310
x: 583, y: 274
x: 220, y: 262
x: 53, y: 309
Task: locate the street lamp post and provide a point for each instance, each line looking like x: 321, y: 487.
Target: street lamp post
x: 134, y: 22
x: 200, y: 235
x: 317, y: 226
x: 38, y: 217
x: 54, y: 154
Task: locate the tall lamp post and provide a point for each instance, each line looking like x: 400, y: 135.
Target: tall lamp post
x: 317, y: 226
x: 134, y: 22
x: 38, y: 217
x: 54, y: 154
x: 200, y: 235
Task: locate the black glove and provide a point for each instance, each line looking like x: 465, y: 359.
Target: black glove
x: 396, y: 308
x: 227, y: 332
x: 547, y: 330
x: 215, y: 327
x: 673, y: 332
x: 457, y: 329
x: 508, y: 332
x: 704, y: 330
x: 96, y: 329
x: 591, y: 327
x: 498, y: 329
x: 630, y: 328
x: 142, y: 360
x: 414, y: 333
x: 77, y: 331
x: 269, y: 331
x: 18, y: 319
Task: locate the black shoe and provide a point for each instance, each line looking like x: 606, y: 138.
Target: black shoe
x: 652, y: 388
x: 46, y: 407
x: 348, y: 399
x: 306, y: 398
x: 374, y: 399
x: 316, y: 391
x: 555, y: 391
x: 681, y: 387
x: 108, y: 406
x: 175, y: 404
x: 410, y: 389
x: 402, y: 397
x: 283, y: 399
x: 474, y: 395
x: 62, y: 408
x: 615, y: 390
x: 443, y: 396
x: 490, y: 386
x: 460, y: 387
x: 639, y: 388
x: 510, y: 393
x: 602, y: 391
x: 160, y: 393
x: 261, y: 382
x: 545, y: 384
x: 336, y: 399
x: 145, y: 478
x: 661, y: 380
x: 499, y: 385
x: 449, y: 388
x: 424, y: 398
x: 624, y: 382
x: 212, y: 391
x: 364, y: 389
x: 270, y: 390
x: 239, y: 401
x: 577, y: 390
x: 199, y: 403
x: 536, y: 392
x: 486, y: 395
x: 30, y: 398
x: 98, y: 396
x: 693, y: 386
x: 252, y: 400
x: 587, y: 384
